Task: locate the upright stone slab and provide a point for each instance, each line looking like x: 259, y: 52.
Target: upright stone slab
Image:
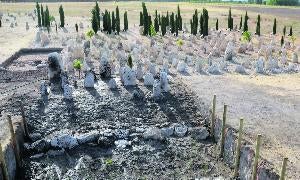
x: 148, y: 79
x: 156, y: 90
x: 164, y: 82
x: 260, y: 65
x: 129, y: 77
x: 89, y: 80
x: 295, y: 58
x: 54, y: 66
x: 105, y: 67
x: 44, y: 89
x: 68, y: 92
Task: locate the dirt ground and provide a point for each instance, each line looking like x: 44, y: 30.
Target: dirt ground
x: 269, y: 105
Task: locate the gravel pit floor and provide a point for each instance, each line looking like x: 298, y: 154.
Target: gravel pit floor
x: 101, y: 109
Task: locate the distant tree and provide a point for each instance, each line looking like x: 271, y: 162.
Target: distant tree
x: 172, y: 23
x: 61, y: 16
x: 282, y: 41
x: 125, y: 21
x: 217, y: 24
x: 146, y: 22
x: 163, y: 25
x: 38, y: 11
x: 113, y: 22
x: 241, y: 23
x: 109, y: 25
x: 230, y: 20
x: 47, y: 17
x: 94, y: 21
x: 274, y: 26
x: 156, y: 23
x: 179, y: 18
x: 76, y: 27
x: 205, y: 22
x: 201, y: 24
x: 258, y: 25
x: 168, y: 19
x: 43, y: 15
x: 117, y: 20
x: 97, y: 14
x: 291, y: 31
x: 246, y: 22
x: 141, y: 19
x: 176, y: 24
x: 284, y: 30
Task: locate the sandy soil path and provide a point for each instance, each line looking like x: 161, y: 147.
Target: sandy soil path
x: 269, y: 104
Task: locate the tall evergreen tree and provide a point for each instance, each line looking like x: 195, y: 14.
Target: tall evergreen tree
x: 163, y: 25
x: 141, y: 19
x: 241, y: 23
x: 105, y: 18
x: 205, y: 22
x: 38, y: 11
x: 43, y: 15
x: 168, y: 19
x: 258, y: 25
x: 195, y: 22
x: 282, y: 41
x: 291, y: 31
x: 47, y: 17
x: 97, y: 14
x: 179, y: 18
x: 176, y: 24
x: 275, y: 26
x: 109, y: 24
x: 117, y: 20
x: 113, y: 22
x: 246, y: 22
x: 156, y: 23
x: 94, y: 21
x: 125, y: 21
x: 201, y: 23
x: 172, y: 23
x: 61, y: 16
x: 146, y: 20
x: 217, y: 24
x: 284, y: 30
x: 230, y: 20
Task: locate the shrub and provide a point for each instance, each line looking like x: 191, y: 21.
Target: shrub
x: 61, y: 16
x: 179, y: 42
x: 152, y: 30
x: 51, y: 18
x: 90, y: 33
x: 246, y: 36
x: 77, y: 64
x: 129, y: 61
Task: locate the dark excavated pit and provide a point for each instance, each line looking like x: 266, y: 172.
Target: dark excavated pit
x: 119, y: 135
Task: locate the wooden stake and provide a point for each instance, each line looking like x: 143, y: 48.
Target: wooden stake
x: 24, y: 122
x: 223, y: 131
x: 213, y: 116
x: 3, y: 164
x: 258, y: 143
x: 14, y: 140
x: 238, y: 149
x: 283, y: 169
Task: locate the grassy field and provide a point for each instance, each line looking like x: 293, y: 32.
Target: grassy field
x: 83, y: 9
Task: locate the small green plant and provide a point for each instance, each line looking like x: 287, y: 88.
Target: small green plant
x: 90, y: 33
x: 109, y: 162
x: 179, y: 42
x: 51, y: 18
x: 246, y: 36
x: 152, y: 30
x: 77, y: 64
x: 129, y: 62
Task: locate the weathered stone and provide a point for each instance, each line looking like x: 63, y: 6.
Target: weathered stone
x: 167, y: 131
x: 156, y: 90
x: 199, y: 133
x: 153, y: 133
x: 260, y: 65
x: 64, y: 141
x: 88, y: 137
x: 148, y: 79
x: 89, y: 80
x: 180, y: 130
x: 229, y: 147
x: 40, y: 146
x: 246, y: 162
x: 164, y: 82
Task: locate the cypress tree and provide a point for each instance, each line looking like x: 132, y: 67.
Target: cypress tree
x: 159, y: 20
x: 76, y: 27
x: 125, y: 21
x: 141, y: 19
x: 274, y: 26
x: 113, y: 22
x: 109, y: 24
x: 291, y: 31
x: 176, y: 25
x: 94, y: 21
x: 156, y: 23
x: 282, y: 41
x: 217, y: 25
x: 145, y: 18
x: 201, y: 24
x: 258, y: 25
x: 230, y: 20
x: 43, y: 14
x: 38, y: 14
x: 163, y: 25
x: 195, y: 22
x: 246, y: 22
x: 284, y: 30
x: 149, y: 24
x: 168, y: 19
x: 104, y: 24
x: 192, y: 26
x: 47, y: 17
x: 179, y: 18
x: 61, y: 16
x: 117, y: 20
x: 97, y: 14
x: 172, y: 23
x: 205, y: 22
x: 241, y: 22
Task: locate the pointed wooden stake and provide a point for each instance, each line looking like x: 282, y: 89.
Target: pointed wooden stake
x: 223, y: 130
x: 213, y: 116
x: 283, y: 169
